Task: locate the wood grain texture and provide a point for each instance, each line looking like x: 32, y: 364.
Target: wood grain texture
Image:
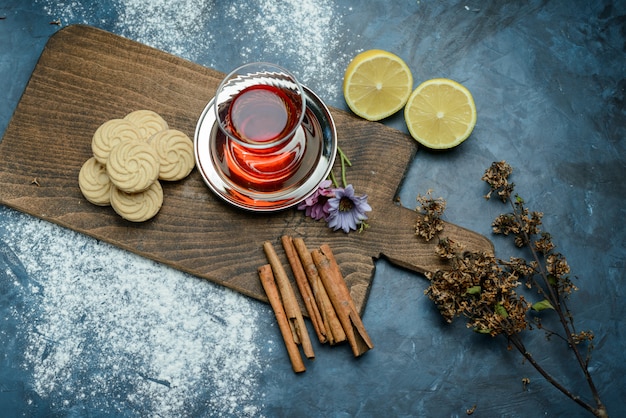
x: 86, y: 76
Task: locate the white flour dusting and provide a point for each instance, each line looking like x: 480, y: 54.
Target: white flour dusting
x: 304, y: 33
x: 112, y: 332
x: 166, y: 24
x: 162, y: 24
x: 131, y: 336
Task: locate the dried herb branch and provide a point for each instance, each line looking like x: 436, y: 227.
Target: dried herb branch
x: 483, y: 288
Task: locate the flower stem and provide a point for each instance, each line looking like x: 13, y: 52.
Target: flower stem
x: 555, y: 299
x: 344, y: 157
x: 600, y: 411
x: 333, y: 179
x: 343, y: 160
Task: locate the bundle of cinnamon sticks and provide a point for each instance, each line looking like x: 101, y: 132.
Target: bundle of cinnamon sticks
x: 326, y: 298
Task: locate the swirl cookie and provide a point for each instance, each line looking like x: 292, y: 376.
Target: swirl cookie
x: 147, y: 121
x: 175, y: 151
x: 110, y: 134
x: 94, y: 182
x: 137, y: 207
x: 133, y: 166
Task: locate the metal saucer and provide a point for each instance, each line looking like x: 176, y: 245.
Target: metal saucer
x: 318, y: 129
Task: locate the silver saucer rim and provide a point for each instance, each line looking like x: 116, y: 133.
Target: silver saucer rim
x: 204, y: 134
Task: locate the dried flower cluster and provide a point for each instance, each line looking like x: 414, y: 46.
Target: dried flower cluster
x: 483, y: 288
x: 525, y: 226
x: 497, y: 177
x: 429, y: 224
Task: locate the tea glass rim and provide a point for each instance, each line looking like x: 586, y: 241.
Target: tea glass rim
x: 260, y: 65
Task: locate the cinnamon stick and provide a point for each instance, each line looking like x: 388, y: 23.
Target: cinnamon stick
x: 334, y: 329
x: 290, y: 303
x: 269, y: 285
x: 325, y: 249
x: 339, y: 295
x: 304, y: 287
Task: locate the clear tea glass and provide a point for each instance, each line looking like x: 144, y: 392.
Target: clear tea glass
x: 259, y: 108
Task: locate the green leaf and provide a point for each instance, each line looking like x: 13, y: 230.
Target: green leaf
x: 500, y: 310
x: 540, y: 306
x: 552, y: 279
x: 474, y: 290
x: 482, y: 330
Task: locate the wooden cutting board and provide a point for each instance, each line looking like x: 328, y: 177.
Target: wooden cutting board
x: 86, y: 76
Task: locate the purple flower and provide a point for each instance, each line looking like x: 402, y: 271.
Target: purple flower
x: 346, y: 210
x: 316, y: 206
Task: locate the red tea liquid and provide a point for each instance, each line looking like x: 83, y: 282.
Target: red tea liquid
x: 261, y: 115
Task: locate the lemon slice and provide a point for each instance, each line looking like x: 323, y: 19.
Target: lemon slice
x: 377, y: 84
x: 440, y: 113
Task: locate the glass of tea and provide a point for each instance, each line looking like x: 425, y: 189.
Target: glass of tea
x: 259, y: 108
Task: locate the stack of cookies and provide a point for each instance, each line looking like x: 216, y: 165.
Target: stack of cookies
x: 130, y: 156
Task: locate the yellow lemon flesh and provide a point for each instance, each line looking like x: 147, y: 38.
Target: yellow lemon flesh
x: 440, y: 113
x: 377, y: 84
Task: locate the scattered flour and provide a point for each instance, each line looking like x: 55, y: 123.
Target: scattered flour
x: 107, y: 331
x: 162, y: 24
x: 306, y: 34
x: 166, y: 24
x: 130, y: 336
